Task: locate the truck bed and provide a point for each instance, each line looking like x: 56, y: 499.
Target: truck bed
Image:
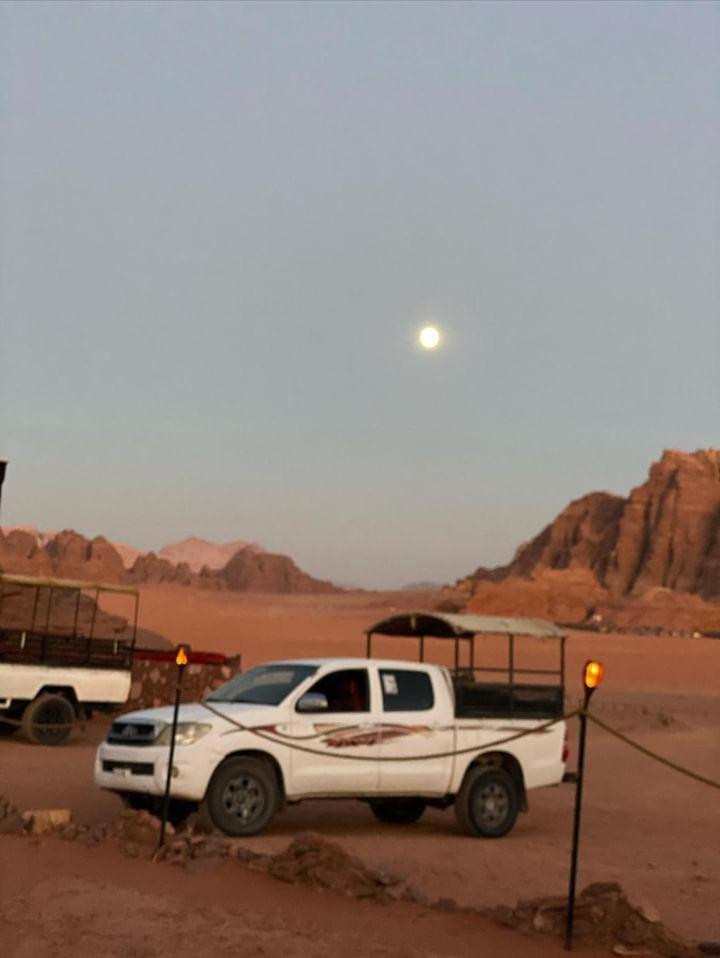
x: 22, y: 647
x: 502, y: 699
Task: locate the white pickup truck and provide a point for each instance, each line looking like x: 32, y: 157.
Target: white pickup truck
x: 385, y: 731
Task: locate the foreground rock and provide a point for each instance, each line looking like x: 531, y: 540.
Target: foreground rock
x: 603, y: 915
x: 312, y: 860
x: 308, y: 860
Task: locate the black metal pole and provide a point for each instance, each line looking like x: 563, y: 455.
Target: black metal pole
x: 3, y: 467
x: 576, y: 825
x: 181, y: 660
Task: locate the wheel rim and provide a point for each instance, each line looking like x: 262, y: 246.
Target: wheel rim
x: 491, y: 805
x: 51, y: 715
x: 244, y: 798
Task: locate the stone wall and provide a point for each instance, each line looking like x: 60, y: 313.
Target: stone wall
x: 153, y: 683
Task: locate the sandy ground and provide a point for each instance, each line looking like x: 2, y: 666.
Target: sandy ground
x: 59, y: 900
x: 654, y: 831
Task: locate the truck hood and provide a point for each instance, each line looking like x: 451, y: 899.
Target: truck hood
x: 243, y: 712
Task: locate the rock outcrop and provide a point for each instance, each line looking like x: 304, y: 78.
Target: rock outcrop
x: 604, y: 554
x: 75, y: 557
x: 602, y: 915
x: 153, y: 570
x: 253, y: 571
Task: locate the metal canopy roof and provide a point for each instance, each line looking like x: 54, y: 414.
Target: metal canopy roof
x: 46, y: 583
x: 443, y: 625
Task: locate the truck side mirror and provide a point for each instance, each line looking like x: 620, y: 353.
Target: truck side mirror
x: 313, y: 702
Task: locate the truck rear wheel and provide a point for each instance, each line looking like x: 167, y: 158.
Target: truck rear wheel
x: 487, y: 803
x: 48, y: 710
x: 397, y: 811
x: 242, y: 797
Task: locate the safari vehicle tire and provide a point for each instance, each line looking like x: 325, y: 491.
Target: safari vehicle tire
x: 487, y: 803
x: 48, y: 709
x: 397, y: 811
x: 242, y: 797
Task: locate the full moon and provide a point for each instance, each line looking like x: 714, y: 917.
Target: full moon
x: 429, y: 337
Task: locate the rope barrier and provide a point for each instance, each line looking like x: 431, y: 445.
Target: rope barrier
x: 289, y: 743
x: 650, y: 754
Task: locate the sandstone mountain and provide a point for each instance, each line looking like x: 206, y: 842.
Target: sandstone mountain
x: 666, y: 533
x: 624, y: 558
x: 200, y: 553
x: 127, y: 553
x: 252, y: 571
x: 66, y: 554
x: 70, y: 555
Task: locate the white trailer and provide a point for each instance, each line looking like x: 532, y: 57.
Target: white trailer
x: 56, y: 669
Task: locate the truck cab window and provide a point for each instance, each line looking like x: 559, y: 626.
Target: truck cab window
x: 345, y: 691
x: 406, y: 690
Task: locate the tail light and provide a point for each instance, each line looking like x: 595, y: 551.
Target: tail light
x: 566, y: 749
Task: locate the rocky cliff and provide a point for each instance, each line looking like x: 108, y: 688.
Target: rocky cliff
x: 649, y: 560
x: 665, y: 534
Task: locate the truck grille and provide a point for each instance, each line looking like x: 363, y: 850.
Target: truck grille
x: 135, y: 768
x: 132, y: 733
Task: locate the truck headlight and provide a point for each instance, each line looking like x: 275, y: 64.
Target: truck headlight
x: 187, y: 733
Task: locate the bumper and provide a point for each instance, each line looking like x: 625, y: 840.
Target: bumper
x: 128, y: 769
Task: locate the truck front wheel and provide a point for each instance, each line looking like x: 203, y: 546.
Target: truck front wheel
x: 487, y: 803
x: 48, y: 719
x: 397, y: 811
x: 242, y: 797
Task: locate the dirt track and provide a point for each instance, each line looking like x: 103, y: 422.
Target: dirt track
x: 644, y: 826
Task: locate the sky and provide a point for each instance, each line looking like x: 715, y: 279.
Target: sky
x: 222, y: 225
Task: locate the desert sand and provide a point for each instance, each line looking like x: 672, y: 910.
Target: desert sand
x: 652, y: 830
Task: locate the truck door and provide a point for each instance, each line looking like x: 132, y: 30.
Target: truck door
x: 337, y: 717
x: 417, y: 721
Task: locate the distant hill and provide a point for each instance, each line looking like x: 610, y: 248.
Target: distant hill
x: 198, y: 553
x: 69, y: 555
x: 251, y: 570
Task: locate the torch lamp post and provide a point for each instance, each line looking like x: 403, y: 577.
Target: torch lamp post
x: 181, y: 660
x: 592, y: 677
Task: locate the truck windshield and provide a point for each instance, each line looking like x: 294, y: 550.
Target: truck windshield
x: 264, y: 685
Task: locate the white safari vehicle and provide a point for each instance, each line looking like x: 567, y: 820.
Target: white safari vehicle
x: 54, y: 666
x: 397, y: 734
